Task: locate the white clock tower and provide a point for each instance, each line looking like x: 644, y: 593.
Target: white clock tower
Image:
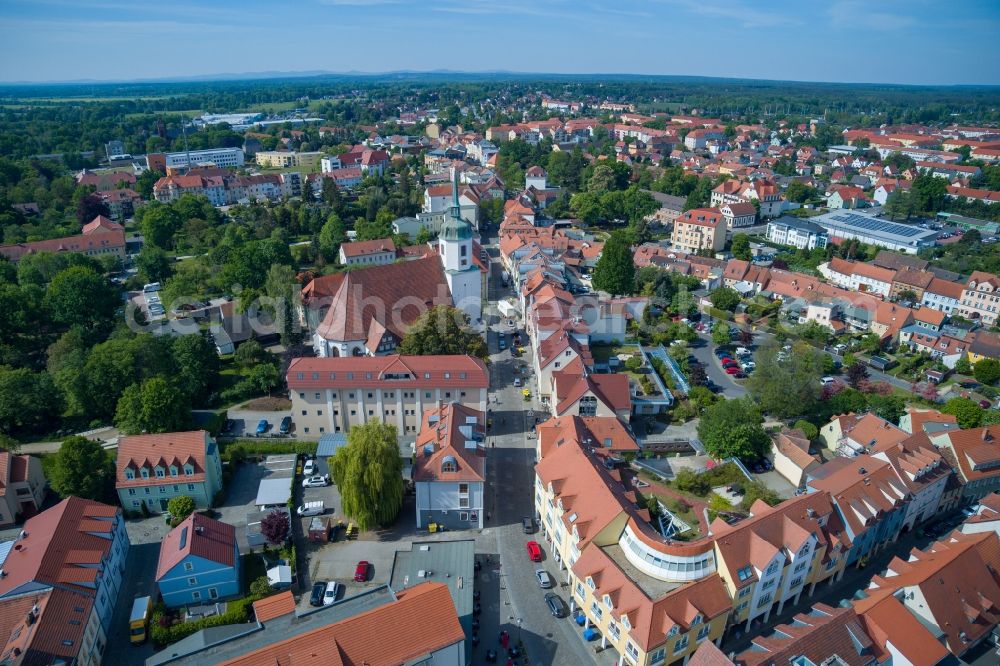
x: 460, y: 268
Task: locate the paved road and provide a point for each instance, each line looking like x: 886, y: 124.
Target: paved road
x: 510, y: 472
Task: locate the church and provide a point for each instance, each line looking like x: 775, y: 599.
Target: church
x: 366, y: 312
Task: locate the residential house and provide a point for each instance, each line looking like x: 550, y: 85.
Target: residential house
x: 942, y: 295
x: 100, y: 237
x: 579, y: 392
x: 645, y: 625
x: 929, y: 421
x: 923, y: 471
x: 422, y: 620
x: 799, y: 233
x: 980, y: 300
x: 449, y: 467
x: 870, y: 500
x: 986, y: 517
x: 817, y: 636
x: 61, y: 579
x: 770, y: 558
x: 368, y: 253
x: 974, y: 454
x: 909, y: 280
x: 738, y: 215
x: 121, y: 203
x: 699, y: 230
x: 853, y: 434
x: 951, y: 591
x: 602, y: 435
x: 791, y: 457
x: 153, y: 469
x: 105, y: 181
x: 846, y: 196
x: 858, y: 276
x: 984, y: 344
x: 199, y: 563
x: 22, y: 487
x: 333, y: 394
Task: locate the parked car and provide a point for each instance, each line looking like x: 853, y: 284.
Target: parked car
x: 332, y: 592
x: 309, y: 468
x: 262, y: 426
x: 285, y: 426
x: 825, y: 381
x: 534, y: 551
x: 555, y: 604
x: 317, y: 481
x: 732, y: 370
x: 517, y: 381
x: 503, y: 344
x: 543, y: 578
x: 528, y: 525
x: 361, y: 571
x: 311, y: 509
x: 740, y: 375
x: 316, y: 598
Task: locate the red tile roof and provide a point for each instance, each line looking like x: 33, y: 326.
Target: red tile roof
x: 864, y: 488
x: 274, y: 606
x: 100, y: 233
x: 613, y: 390
x: 446, y: 432
x: 977, y: 451
x: 197, y: 536
x: 818, y: 635
x: 163, y: 450
x: 364, y: 248
x: 422, y: 620
x: 888, y: 622
x: 603, y: 433
x: 61, y: 545
x: 463, y: 371
x: 958, y: 590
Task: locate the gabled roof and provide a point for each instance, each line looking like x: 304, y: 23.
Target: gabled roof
x: 421, y: 620
x: 864, y: 488
x: 163, y: 450
x: 197, y: 536
x: 613, y: 390
x: 459, y: 371
x: 454, y: 433
x: 396, y: 294
x: 61, y: 545
x: 892, y: 627
x: 794, y: 445
x: 959, y: 590
x: 364, y: 248
x: 274, y: 606
x: 605, y: 434
x: 818, y: 634
x: 977, y: 451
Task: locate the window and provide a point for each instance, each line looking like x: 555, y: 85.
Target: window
x: 131, y: 491
x: 703, y: 632
x: 188, y: 566
x: 463, y: 488
x: 590, y: 583
x: 745, y: 573
x: 129, y: 474
x: 192, y: 581
x: 745, y: 591
x: 317, y: 396
x: 463, y: 516
x: 681, y: 644
x: 632, y: 651
x: 579, y: 587
x: 657, y: 656
x: 614, y: 630
x: 596, y: 611
x: 771, y: 569
x: 190, y: 486
x: 764, y: 600
x: 160, y: 473
x: 196, y: 595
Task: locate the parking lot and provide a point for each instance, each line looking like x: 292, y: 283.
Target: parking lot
x: 245, y: 422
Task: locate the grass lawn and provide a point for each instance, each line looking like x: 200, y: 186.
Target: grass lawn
x: 602, y: 353
x: 253, y: 568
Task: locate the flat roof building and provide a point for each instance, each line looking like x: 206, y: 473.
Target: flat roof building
x: 851, y: 225
x: 220, y: 157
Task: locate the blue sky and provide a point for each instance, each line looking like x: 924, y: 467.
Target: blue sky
x: 893, y: 41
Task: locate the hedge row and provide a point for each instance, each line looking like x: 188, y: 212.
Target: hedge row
x: 237, y: 612
x: 241, y: 448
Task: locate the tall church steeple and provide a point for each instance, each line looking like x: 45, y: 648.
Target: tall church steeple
x: 456, y: 249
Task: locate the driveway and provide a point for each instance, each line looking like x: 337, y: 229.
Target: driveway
x: 777, y: 483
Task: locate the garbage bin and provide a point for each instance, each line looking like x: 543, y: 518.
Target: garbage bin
x: 589, y: 634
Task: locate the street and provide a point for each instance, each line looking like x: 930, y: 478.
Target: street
x: 510, y: 472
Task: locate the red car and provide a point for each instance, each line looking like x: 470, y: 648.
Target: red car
x: 361, y: 572
x: 726, y: 359
x: 732, y: 370
x: 534, y: 551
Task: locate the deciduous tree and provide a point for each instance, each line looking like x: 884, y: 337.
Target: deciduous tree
x: 83, y: 468
x: 180, y: 507
x: 732, y: 428
x: 442, y: 330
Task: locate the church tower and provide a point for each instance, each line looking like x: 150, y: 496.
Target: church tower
x: 460, y: 268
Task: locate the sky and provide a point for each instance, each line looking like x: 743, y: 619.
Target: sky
x: 879, y: 41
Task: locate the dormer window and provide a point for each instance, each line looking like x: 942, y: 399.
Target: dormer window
x: 673, y: 631
x: 129, y: 474
x: 449, y: 464
x: 144, y: 473
x: 173, y: 470
x: 696, y: 620
x: 160, y: 473
x: 607, y: 602
x: 188, y: 470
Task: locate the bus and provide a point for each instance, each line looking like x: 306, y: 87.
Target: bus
x: 138, y: 622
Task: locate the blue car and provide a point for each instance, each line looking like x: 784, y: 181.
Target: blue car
x: 262, y: 427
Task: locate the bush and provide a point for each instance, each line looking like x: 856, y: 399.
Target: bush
x: 261, y: 587
x: 242, y: 448
x: 811, y: 431
x: 163, y: 632
x: 754, y: 491
x: 690, y: 482
x: 718, y: 503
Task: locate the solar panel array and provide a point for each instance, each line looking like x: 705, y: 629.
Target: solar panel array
x: 877, y: 225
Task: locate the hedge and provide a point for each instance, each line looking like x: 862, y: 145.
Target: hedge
x: 253, y: 447
x: 237, y: 612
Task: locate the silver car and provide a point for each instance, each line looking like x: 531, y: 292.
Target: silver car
x: 544, y: 579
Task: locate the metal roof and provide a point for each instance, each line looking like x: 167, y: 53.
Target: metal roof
x: 273, y: 492
x: 448, y: 562
x: 330, y: 443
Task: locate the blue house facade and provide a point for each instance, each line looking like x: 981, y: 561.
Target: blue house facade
x: 199, y: 563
